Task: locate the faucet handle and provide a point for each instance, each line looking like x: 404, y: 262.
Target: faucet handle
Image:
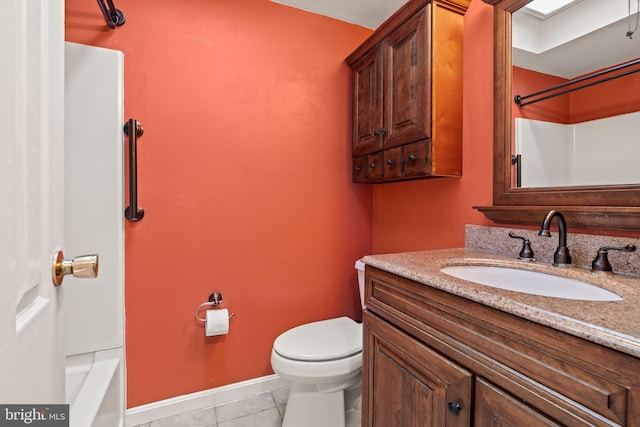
x: 601, y: 261
x: 526, y: 252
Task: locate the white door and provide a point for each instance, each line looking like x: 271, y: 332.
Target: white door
x: 32, y: 199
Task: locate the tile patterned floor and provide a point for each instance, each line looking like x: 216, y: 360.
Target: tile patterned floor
x: 263, y: 410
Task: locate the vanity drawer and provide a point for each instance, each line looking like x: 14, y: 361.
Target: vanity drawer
x: 569, y: 379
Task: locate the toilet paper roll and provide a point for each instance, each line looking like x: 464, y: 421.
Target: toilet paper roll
x: 217, y: 322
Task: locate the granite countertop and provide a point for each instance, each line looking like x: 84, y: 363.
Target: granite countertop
x: 614, y: 324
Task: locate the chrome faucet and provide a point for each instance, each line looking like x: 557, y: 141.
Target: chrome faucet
x: 561, y: 256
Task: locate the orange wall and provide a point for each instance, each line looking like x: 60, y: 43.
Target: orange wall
x: 611, y: 98
x: 619, y: 96
x: 245, y: 178
x: 431, y: 214
x: 525, y: 82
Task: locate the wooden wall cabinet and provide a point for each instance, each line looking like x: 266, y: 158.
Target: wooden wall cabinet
x: 407, y: 95
x: 434, y: 359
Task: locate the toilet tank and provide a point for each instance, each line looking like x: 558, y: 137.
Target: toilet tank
x: 360, y: 270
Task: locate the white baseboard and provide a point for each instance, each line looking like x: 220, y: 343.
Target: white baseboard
x: 202, y: 399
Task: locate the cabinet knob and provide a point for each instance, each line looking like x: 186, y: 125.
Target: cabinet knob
x: 389, y: 162
x: 357, y: 168
x: 379, y: 132
x: 454, y: 408
x: 372, y: 165
x: 412, y: 158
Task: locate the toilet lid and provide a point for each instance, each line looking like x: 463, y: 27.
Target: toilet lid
x: 321, y: 341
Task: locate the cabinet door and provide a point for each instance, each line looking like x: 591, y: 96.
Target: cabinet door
x: 495, y: 408
x: 406, y: 384
x: 407, y: 85
x: 367, y: 104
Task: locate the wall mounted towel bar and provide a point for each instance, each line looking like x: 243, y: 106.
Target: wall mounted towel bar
x: 133, y: 129
x: 114, y: 17
x: 516, y: 160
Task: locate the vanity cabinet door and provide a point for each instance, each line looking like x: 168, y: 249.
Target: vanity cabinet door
x: 407, y: 384
x: 495, y: 408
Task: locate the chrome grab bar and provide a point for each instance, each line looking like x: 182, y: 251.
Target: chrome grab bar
x: 133, y: 129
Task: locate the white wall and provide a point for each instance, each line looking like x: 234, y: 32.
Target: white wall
x: 602, y: 152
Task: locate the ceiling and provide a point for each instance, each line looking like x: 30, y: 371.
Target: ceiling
x: 596, y: 40
x: 579, y: 37
x: 366, y: 13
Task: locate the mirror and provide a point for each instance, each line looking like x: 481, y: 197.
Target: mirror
x: 576, y: 91
x: 593, y: 205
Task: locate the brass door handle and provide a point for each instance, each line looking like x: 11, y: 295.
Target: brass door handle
x: 84, y: 266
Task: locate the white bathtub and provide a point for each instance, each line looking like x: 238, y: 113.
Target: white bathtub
x: 94, y: 332
x: 95, y: 388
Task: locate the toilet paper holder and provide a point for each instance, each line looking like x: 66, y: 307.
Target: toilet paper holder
x: 215, y: 299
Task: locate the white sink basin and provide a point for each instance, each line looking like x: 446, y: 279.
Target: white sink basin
x: 530, y: 282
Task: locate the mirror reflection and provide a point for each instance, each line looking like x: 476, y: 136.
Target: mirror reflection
x: 575, y: 78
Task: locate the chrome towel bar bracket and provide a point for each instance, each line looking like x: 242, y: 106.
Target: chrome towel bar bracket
x: 114, y: 17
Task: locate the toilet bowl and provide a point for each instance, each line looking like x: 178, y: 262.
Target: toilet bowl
x: 323, y: 362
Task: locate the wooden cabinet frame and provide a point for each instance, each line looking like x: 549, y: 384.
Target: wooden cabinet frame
x: 408, y: 90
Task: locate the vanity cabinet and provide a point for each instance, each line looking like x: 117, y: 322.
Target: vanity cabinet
x: 432, y: 358
x: 407, y: 95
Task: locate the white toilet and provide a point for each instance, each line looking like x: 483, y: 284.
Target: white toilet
x: 323, y: 362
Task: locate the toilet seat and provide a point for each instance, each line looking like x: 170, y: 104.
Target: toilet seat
x: 322, y: 341
x: 339, y: 373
